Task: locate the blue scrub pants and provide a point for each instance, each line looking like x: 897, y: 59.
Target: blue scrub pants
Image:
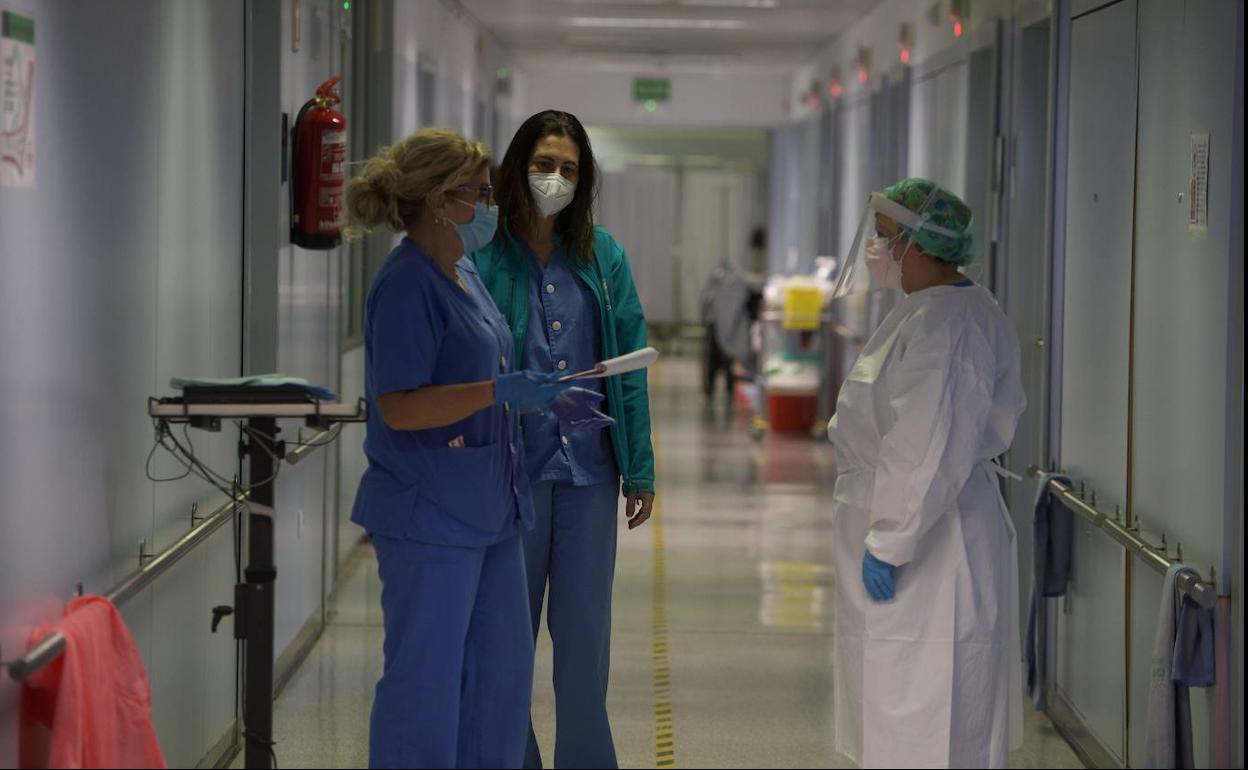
x: 573, y: 545
x: 458, y: 656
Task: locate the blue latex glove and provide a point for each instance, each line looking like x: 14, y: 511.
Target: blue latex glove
x: 877, y: 576
x: 576, y: 408
x: 528, y: 391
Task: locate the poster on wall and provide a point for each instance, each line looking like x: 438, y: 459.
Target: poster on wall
x: 17, y: 100
x: 1198, y: 194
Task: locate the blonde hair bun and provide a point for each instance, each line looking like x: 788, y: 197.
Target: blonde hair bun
x: 395, y: 184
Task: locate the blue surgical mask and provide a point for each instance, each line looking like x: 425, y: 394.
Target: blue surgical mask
x: 478, y: 233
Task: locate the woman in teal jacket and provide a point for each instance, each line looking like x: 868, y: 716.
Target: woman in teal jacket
x: 567, y: 292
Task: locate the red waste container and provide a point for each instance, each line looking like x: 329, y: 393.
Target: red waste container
x: 791, y: 413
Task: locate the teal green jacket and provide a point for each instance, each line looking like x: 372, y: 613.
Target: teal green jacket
x: 505, y: 273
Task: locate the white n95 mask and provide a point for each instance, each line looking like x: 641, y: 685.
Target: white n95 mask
x: 551, y: 192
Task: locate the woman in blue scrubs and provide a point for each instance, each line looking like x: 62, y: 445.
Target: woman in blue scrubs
x: 445, y: 496
x: 567, y: 292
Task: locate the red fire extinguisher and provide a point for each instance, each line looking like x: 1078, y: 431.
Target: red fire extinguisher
x: 320, y: 153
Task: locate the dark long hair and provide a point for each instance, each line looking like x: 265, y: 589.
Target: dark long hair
x: 575, y: 224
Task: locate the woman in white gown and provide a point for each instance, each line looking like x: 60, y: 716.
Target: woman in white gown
x: 926, y: 636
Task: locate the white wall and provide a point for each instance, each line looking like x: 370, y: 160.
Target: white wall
x: 938, y: 124
x: 120, y: 269
x: 716, y: 219
x: 795, y: 162
x: 464, y: 58
x: 639, y: 207
x: 663, y: 197
x: 697, y: 99
x: 428, y: 32
x: 1184, y: 315
x: 878, y: 31
x: 618, y: 147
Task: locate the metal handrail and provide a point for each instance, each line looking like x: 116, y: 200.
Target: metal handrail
x: 1190, y: 581
x: 318, y: 440
x: 53, y: 645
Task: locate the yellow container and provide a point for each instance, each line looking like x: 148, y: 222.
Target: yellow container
x: 802, y: 305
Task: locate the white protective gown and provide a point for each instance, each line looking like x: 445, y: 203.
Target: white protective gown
x: 932, y: 678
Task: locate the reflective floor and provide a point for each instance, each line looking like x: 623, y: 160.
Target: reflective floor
x: 745, y: 539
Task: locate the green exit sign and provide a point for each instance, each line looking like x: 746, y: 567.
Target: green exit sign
x: 17, y: 27
x: 652, y: 89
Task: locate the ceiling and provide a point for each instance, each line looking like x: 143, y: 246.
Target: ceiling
x: 674, y: 35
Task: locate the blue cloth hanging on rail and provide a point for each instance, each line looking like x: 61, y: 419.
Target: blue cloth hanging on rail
x: 1053, y: 527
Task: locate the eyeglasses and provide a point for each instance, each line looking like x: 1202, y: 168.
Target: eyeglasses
x: 484, y: 193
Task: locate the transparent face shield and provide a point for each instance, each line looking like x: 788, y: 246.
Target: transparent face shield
x: 873, y: 261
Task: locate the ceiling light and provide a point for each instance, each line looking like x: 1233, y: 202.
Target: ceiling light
x: 863, y: 63
x: 834, y: 84
x: 730, y: 3
x: 905, y: 40
x: 604, y: 22
x: 958, y: 11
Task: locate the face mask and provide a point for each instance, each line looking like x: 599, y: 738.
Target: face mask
x: 885, y: 270
x: 478, y: 233
x: 551, y: 192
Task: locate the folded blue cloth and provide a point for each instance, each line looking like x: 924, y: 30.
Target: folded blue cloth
x: 256, y: 380
x: 1055, y: 531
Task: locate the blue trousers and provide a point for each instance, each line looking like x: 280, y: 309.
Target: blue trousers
x: 458, y: 672
x: 572, y: 547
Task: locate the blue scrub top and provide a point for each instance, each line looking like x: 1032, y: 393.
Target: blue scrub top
x: 421, y: 329
x: 564, y: 334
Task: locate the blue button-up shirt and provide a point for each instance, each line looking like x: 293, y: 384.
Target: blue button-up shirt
x: 564, y: 335
x: 463, y: 484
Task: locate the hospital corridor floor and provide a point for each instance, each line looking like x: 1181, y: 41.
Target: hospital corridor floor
x: 721, y: 650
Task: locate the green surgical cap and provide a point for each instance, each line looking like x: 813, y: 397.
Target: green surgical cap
x: 942, y: 208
